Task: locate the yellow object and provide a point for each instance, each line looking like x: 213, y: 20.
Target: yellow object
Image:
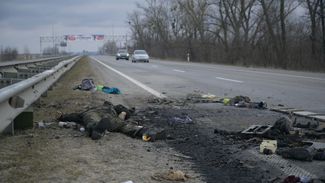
x: 226, y: 101
x: 269, y: 144
x: 146, y: 138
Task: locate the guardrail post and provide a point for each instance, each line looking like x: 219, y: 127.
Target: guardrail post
x: 10, y: 129
x: 24, y: 120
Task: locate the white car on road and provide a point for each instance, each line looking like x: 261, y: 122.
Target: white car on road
x: 140, y: 55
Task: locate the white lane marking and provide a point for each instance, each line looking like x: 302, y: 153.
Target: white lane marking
x: 148, y: 89
x: 279, y: 74
x: 232, y: 80
x: 274, y: 74
x: 176, y: 70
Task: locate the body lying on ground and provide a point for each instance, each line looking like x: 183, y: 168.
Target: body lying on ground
x: 97, y: 120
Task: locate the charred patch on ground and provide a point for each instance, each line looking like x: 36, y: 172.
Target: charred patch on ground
x: 216, y: 155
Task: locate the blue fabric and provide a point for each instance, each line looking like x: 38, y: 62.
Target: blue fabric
x: 111, y: 90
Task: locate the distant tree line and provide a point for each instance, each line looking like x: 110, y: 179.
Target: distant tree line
x: 8, y: 54
x: 51, y: 51
x: 110, y: 47
x: 270, y: 33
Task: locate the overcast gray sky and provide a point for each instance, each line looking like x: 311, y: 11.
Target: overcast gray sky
x: 22, y: 22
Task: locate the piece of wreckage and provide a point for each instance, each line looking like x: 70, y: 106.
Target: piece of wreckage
x: 98, y: 120
x: 237, y: 101
x: 288, y: 139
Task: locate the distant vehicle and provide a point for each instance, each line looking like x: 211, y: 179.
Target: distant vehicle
x: 140, y: 55
x: 122, y: 54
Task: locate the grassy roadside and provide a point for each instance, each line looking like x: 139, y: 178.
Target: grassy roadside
x: 62, y: 97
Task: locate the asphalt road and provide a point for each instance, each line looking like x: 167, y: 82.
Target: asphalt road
x: 302, y: 90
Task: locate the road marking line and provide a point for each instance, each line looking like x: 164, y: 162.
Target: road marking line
x: 287, y: 75
x: 148, y: 89
x: 176, y: 70
x: 237, y: 81
x: 274, y: 74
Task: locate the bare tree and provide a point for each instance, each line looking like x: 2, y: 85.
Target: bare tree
x: 248, y: 32
x: 323, y: 27
x: 312, y: 6
x: 110, y: 47
x: 9, y: 54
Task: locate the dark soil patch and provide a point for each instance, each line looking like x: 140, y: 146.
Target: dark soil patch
x: 216, y: 156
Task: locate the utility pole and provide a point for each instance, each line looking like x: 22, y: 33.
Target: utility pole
x: 126, y: 41
x: 40, y: 46
x: 53, y: 39
x: 323, y: 27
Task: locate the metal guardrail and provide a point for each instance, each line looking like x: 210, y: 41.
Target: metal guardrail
x: 15, y: 98
x: 14, y: 63
x: 16, y: 71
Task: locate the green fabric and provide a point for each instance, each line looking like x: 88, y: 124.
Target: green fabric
x: 99, y: 87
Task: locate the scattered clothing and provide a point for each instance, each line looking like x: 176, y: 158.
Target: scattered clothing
x: 86, y: 85
x: 108, y: 90
x: 244, y: 101
x: 89, y: 85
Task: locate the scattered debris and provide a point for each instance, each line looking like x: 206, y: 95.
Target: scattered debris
x: 226, y: 101
x: 67, y: 124
x: 153, y: 134
x: 302, y: 179
x: 172, y: 175
x: 257, y: 129
x: 291, y: 179
x: 41, y: 124
x: 268, y: 146
x: 160, y: 101
x: 129, y: 181
x: 82, y: 129
x: 209, y: 96
x: 237, y: 99
x: 182, y: 156
x: 146, y: 138
x: 86, y: 85
x: 203, y: 98
x: 109, y: 90
x: 306, y: 123
x: 184, y: 119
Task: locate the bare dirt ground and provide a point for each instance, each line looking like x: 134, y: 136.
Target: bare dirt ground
x: 55, y: 154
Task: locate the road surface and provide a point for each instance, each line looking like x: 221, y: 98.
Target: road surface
x: 302, y: 90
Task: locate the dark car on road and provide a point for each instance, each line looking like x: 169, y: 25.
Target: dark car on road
x: 122, y: 54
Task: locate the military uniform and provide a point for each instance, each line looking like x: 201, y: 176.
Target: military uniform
x: 99, y: 119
